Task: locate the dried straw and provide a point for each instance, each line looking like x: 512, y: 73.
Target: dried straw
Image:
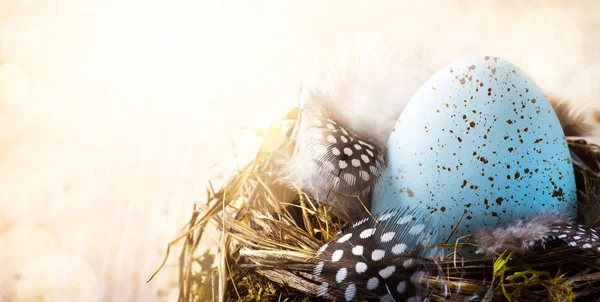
x: 269, y: 232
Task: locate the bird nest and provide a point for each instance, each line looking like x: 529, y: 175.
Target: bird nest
x: 268, y: 233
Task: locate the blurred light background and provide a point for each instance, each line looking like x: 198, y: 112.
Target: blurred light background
x: 115, y: 114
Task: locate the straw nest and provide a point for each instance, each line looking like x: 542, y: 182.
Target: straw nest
x: 268, y: 233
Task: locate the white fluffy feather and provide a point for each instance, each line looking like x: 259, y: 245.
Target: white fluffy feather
x: 363, y: 88
x: 367, y: 86
x: 520, y: 235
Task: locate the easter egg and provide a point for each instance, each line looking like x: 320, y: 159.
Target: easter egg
x: 479, y: 142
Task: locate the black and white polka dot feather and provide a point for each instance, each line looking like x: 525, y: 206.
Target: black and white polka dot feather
x: 376, y: 258
x: 331, y: 158
x: 536, y: 232
x: 349, y: 160
x: 576, y: 235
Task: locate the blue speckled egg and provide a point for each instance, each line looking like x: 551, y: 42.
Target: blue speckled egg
x: 479, y: 138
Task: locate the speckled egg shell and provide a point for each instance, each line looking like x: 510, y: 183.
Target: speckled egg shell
x: 478, y: 138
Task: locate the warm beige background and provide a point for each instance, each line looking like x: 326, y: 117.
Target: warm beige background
x: 115, y: 114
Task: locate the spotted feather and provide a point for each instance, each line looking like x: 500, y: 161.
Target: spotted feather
x: 331, y: 158
x: 536, y: 232
x: 354, y: 162
x: 377, y: 258
x: 576, y: 235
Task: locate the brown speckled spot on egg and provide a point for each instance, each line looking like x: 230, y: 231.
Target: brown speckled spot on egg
x: 557, y: 193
